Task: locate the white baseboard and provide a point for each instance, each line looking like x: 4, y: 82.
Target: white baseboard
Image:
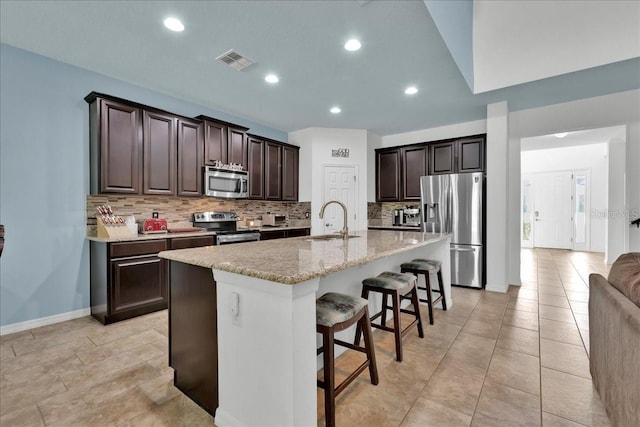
x: 44, y: 321
x: 496, y: 288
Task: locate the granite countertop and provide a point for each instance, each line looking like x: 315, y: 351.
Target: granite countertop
x: 394, y: 227
x: 155, y: 236
x: 295, y: 260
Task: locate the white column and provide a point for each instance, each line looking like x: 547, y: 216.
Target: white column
x: 514, y: 210
x: 633, y: 186
x: 617, y: 224
x: 267, y: 353
x: 497, y: 178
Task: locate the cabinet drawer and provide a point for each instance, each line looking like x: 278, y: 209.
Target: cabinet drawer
x: 191, y: 242
x: 299, y: 232
x: 137, y: 248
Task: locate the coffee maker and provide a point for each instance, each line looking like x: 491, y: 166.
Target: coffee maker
x: 398, y: 217
x: 411, y: 216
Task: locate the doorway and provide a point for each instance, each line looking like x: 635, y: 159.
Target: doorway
x: 339, y: 184
x: 554, y: 210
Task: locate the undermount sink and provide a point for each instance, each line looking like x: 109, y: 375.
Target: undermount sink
x: 330, y: 237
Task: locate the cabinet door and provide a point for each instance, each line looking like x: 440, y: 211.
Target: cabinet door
x: 273, y: 164
x: 275, y: 234
x: 414, y: 166
x: 138, y: 284
x: 255, y: 167
x: 190, y: 152
x: 215, y: 143
x: 471, y: 155
x: 299, y: 232
x: 159, y: 147
x: 442, y: 158
x: 290, y: 173
x: 191, y: 242
x: 237, y: 146
x: 388, y: 175
x: 120, y: 148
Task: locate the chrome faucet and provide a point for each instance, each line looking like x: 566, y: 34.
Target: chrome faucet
x: 345, y: 230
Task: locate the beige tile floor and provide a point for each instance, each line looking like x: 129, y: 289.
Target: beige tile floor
x: 494, y: 359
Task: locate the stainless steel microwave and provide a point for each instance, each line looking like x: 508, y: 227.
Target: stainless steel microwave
x: 224, y: 183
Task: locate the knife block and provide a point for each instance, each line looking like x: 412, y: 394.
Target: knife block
x: 112, y: 230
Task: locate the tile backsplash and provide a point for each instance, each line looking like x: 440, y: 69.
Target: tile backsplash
x: 381, y: 213
x: 180, y: 209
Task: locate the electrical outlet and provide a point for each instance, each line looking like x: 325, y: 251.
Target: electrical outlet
x: 234, y: 303
x: 307, y: 214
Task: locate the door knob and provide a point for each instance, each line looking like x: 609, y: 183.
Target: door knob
x: 327, y: 225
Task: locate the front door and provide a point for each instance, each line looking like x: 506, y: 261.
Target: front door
x: 339, y: 184
x: 553, y: 226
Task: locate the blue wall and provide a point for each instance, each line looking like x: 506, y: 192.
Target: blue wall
x: 44, y: 178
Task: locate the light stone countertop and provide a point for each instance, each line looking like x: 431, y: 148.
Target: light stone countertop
x: 155, y: 236
x: 294, y: 260
x: 395, y: 227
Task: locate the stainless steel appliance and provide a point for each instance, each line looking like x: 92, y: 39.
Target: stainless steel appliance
x: 226, y: 183
x: 411, y: 216
x: 398, y: 217
x: 224, y: 225
x: 455, y: 204
x: 274, y: 220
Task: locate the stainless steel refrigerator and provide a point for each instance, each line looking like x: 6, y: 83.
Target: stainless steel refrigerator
x: 455, y: 204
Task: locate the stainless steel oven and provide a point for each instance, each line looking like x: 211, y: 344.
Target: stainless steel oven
x: 224, y: 225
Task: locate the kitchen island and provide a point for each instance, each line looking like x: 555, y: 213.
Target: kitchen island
x: 258, y: 317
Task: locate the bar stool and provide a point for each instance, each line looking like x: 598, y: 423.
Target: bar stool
x: 400, y: 287
x: 426, y: 267
x: 334, y: 313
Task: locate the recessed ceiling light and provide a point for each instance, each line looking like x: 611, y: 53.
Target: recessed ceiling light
x: 271, y: 78
x: 173, y: 24
x: 561, y: 134
x: 411, y: 90
x: 352, y: 45
x: 335, y: 110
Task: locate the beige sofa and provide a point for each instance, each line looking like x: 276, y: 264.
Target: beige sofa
x: 614, y: 335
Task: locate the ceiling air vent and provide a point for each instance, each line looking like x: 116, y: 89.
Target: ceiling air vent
x: 234, y: 60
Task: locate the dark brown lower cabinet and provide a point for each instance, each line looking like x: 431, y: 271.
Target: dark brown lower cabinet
x: 127, y: 279
x: 193, y: 333
x: 283, y: 234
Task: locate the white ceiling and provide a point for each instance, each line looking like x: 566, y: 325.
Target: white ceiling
x: 302, y: 42
x: 582, y: 137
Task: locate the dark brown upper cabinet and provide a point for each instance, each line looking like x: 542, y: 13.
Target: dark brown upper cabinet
x: 255, y: 167
x: 388, y: 177
x: 290, y: 162
x: 414, y: 165
x: 159, y: 148
x: 190, y: 155
x: 442, y: 159
x: 273, y: 171
x: 215, y: 142
x: 471, y: 154
x: 398, y: 169
x: 237, y: 146
x: 224, y: 141
x: 116, y: 146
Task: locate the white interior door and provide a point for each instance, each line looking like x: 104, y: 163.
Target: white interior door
x: 339, y: 184
x: 553, y: 225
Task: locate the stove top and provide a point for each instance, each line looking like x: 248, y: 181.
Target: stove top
x: 220, y: 222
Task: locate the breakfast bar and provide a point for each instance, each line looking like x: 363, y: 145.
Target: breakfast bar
x: 257, y: 318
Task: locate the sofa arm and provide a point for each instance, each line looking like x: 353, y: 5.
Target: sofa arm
x: 614, y: 337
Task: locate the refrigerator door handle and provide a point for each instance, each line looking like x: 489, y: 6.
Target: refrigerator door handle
x: 462, y: 249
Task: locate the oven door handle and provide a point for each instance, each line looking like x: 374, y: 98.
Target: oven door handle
x: 236, y: 238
